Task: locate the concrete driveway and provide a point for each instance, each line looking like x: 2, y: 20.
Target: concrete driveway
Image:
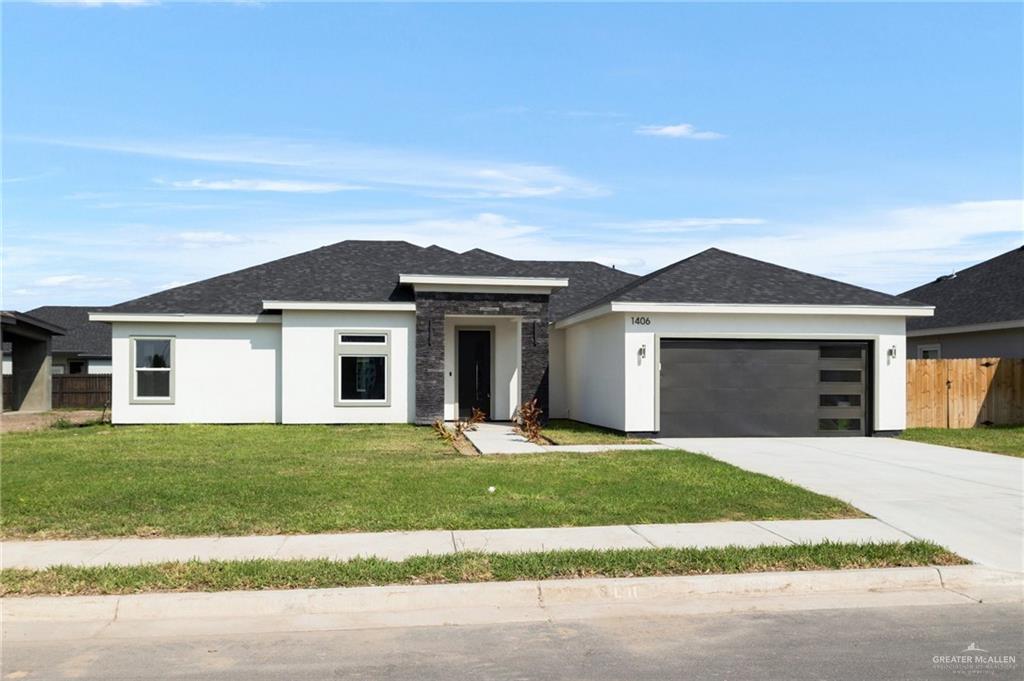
x: 970, y: 502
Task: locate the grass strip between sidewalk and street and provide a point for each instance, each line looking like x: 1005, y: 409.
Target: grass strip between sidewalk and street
x: 464, y: 567
x: 1007, y: 440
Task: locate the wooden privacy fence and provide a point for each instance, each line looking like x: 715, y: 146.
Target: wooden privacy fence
x: 81, y: 391
x: 963, y: 393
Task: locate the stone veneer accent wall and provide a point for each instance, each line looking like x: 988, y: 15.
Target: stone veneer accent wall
x: 431, y: 309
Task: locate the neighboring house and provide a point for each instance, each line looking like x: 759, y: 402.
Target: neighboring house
x: 379, y: 331
x: 85, y: 346
x: 28, y: 340
x: 979, y: 312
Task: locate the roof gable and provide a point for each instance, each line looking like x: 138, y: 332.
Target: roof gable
x: 991, y: 291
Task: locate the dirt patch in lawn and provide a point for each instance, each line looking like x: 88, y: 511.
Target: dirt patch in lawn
x: 19, y: 422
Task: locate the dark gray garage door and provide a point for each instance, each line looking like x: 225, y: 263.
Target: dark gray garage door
x: 739, y: 388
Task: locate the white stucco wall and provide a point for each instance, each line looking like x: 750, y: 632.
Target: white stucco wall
x: 594, y: 372
x: 223, y: 373
x: 307, y: 366
x: 505, y: 334
x: 612, y: 385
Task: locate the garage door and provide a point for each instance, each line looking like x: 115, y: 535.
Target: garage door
x: 741, y: 388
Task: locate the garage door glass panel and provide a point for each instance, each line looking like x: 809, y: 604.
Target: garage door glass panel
x: 850, y: 424
x: 838, y: 400
x: 839, y: 376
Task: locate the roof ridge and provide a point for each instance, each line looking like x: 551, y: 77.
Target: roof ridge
x: 811, y: 274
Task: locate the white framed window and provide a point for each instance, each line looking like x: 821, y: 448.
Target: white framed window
x: 152, y: 361
x: 361, y: 368
x: 933, y: 351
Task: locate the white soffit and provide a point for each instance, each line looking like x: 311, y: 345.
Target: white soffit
x: 457, y: 283
x: 728, y: 308
x: 184, y: 317
x: 337, y: 305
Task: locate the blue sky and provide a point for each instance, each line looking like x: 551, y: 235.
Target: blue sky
x: 152, y: 145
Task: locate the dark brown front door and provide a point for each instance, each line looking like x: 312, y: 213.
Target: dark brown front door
x: 474, y: 372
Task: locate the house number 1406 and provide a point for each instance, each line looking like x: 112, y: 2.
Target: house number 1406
x: 641, y: 321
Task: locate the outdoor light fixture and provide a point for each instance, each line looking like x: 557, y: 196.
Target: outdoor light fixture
x: 892, y: 352
x: 642, y: 352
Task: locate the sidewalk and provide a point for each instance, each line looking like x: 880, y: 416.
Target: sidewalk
x: 400, y: 545
x: 49, y: 618
x: 501, y: 438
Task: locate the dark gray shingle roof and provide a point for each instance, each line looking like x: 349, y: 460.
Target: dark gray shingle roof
x: 716, y: 276
x: 367, y: 271
x: 991, y: 291
x: 81, y: 336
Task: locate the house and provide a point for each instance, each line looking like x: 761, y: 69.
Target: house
x: 386, y: 332
x: 28, y: 386
x: 979, y: 312
x: 85, y: 346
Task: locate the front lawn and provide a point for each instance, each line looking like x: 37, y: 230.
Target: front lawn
x: 267, y: 479
x: 996, y: 439
x: 567, y: 432
x: 464, y: 567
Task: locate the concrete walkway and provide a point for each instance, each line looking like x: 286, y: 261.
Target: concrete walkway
x: 401, y: 545
x: 501, y: 438
x: 970, y: 502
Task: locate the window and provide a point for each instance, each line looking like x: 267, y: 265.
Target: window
x: 361, y: 368
x: 929, y: 351
x: 347, y: 339
x: 76, y: 367
x: 153, y: 370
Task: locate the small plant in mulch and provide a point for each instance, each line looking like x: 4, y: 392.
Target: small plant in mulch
x: 528, y: 420
x: 455, y: 434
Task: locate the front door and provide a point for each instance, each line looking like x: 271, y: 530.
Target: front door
x: 474, y: 369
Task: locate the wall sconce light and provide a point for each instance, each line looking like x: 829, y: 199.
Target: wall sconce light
x: 891, y: 352
x: 641, y: 353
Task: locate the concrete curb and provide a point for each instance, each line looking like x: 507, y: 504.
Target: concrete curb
x: 141, y: 615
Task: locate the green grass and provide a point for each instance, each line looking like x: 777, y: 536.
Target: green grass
x: 567, y: 432
x: 464, y: 567
x: 267, y: 479
x: 996, y: 439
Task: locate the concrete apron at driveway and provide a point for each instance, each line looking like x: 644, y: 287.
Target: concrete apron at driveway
x: 970, y: 502
x: 400, y: 545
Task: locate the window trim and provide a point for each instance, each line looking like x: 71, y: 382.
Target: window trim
x: 133, y: 397
x: 349, y: 349
x: 937, y: 347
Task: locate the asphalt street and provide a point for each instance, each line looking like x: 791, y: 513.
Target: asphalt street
x: 906, y: 643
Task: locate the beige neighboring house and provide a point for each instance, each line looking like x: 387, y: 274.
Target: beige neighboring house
x: 979, y: 312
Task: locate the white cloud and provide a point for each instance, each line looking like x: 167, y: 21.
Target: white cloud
x: 681, y: 130
x: 99, y: 3
x: 681, y: 224
x: 207, y: 238
x: 78, y: 281
x: 332, y: 163
x: 287, y: 186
